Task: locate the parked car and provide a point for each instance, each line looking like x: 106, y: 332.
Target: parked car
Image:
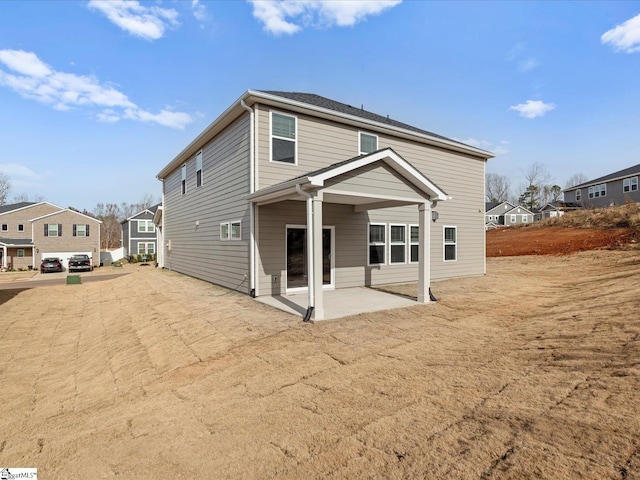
x: 80, y: 262
x: 51, y: 265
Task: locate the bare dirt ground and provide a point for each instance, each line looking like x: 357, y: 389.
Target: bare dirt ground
x: 530, y: 372
x: 506, y: 242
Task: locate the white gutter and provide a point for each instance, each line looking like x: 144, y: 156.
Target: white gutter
x: 252, y: 236
x: 310, y: 250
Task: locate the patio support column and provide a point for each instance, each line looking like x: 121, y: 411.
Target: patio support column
x: 424, y: 257
x: 4, y: 256
x: 315, y: 230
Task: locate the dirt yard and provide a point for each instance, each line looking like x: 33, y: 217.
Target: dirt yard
x: 530, y: 372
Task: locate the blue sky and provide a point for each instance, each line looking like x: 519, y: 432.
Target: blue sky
x: 96, y: 97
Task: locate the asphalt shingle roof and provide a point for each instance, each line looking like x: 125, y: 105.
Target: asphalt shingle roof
x: 323, y: 102
x: 14, y: 206
x: 627, y: 172
x: 16, y: 241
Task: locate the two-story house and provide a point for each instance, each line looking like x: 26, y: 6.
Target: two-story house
x: 31, y: 231
x: 293, y: 192
x: 506, y: 214
x: 139, y: 235
x: 616, y: 188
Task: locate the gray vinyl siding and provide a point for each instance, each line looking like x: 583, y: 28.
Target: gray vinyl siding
x: 322, y: 143
x: 615, y: 195
x: 196, y: 249
x: 125, y: 238
x: 133, y: 237
x: 377, y: 179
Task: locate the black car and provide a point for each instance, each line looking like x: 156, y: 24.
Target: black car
x: 51, y: 265
x: 80, y: 262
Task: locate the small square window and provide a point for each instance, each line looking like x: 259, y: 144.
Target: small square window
x: 21, y: 252
x: 236, y: 234
x: 5, y: 227
x: 368, y: 143
x: 224, y: 231
x: 21, y: 227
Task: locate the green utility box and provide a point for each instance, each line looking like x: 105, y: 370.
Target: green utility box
x: 74, y: 279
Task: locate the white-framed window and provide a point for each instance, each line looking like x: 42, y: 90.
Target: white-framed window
x: 199, y: 169
x: 598, y: 191
x: 183, y: 182
x: 21, y: 227
x: 224, y: 231
x: 146, y: 226
x: 80, y: 230
x: 603, y: 190
x: 236, y: 230
x: 21, y: 253
x: 513, y: 218
x: 377, y: 242
x: 52, y: 229
x: 414, y: 243
x: 578, y: 195
x: 450, y: 246
x: 367, y: 143
x: 397, y: 244
x: 630, y: 185
x: 525, y: 219
x: 5, y: 227
x: 284, y: 129
x: 146, y: 248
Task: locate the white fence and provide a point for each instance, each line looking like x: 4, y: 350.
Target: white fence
x: 109, y: 256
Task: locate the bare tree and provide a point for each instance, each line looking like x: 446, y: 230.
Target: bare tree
x: 576, y: 179
x: 5, y: 188
x: 23, y: 197
x: 497, y: 188
x: 537, y: 190
x: 110, y: 230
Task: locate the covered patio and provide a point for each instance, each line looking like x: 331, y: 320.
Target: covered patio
x: 375, y: 181
x: 340, y: 303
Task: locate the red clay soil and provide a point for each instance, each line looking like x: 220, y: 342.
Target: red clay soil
x: 504, y: 242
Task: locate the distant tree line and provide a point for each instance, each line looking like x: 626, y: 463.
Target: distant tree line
x: 111, y: 214
x: 537, y: 190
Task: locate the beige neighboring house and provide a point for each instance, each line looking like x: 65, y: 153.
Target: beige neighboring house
x: 289, y: 192
x: 31, y: 231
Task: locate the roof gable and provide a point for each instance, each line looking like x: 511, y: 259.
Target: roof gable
x: 65, y: 210
x: 500, y: 208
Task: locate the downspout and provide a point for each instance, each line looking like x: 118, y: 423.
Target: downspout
x: 310, y: 275
x: 252, y: 236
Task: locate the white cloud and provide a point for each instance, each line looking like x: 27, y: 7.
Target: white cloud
x: 498, y: 149
x: 199, y: 10
x: 17, y: 170
x: 31, y: 78
x: 533, y: 108
x: 528, y: 64
x: 624, y: 37
x: 149, y: 23
x: 278, y: 16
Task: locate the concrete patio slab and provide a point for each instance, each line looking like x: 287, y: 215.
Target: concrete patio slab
x: 340, y: 303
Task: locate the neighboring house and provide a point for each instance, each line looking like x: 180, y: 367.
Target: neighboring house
x: 506, y: 214
x: 494, y: 213
x: 557, y: 209
x: 616, y: 188
x: 292, y: 192
x: 31, y: 231
x: 139, y: 235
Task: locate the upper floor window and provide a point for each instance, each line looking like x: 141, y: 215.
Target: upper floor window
x: 598, y: 191
x: 450, y: 244
x: 80, y: 230
x: 183, y: 182
x: 145, y: 226
x: 21, y: 227
x: 199, y: 169
x: 283, y: 138
x: 52, y: 229
x: 368, y: 143
x: 630, y: 184
x: 578, y: 195
x: 5, y: 227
